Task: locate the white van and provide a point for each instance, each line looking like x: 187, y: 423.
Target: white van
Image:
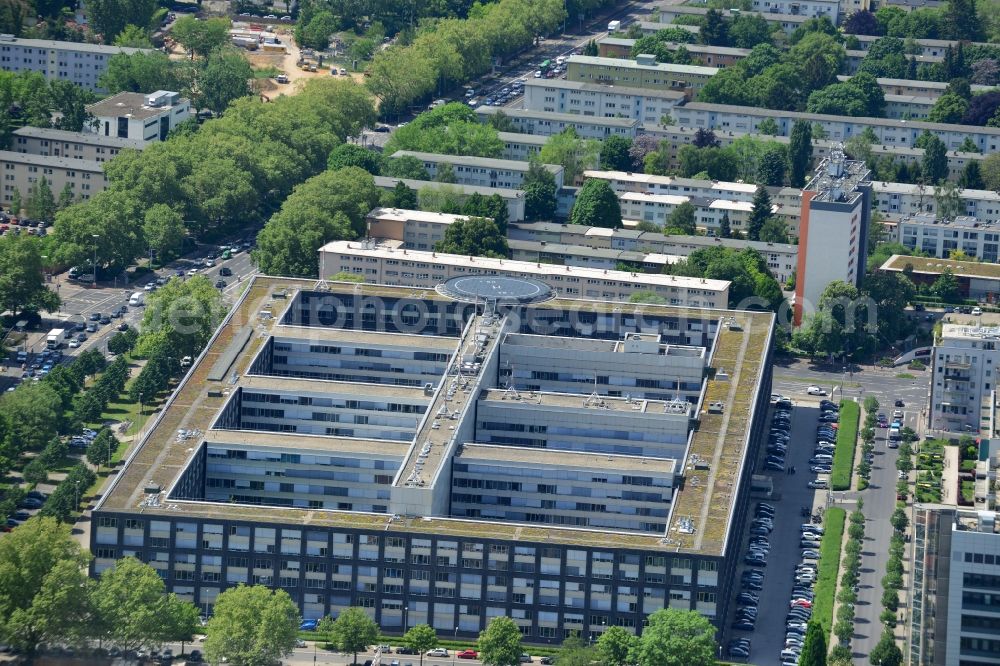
x: 137, y: 299
x: 893, y: 434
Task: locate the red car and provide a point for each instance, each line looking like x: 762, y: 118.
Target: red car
x: 467, y: 654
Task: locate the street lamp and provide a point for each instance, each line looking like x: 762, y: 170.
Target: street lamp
x: 406, y: 610
x: 94, y: 266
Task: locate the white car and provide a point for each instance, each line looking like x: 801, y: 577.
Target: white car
x: 818, y: 484
x: 73, y: 344
x: 193, y: 271
x: 815, y: 390
x: 437, y: 652
x: 538, y: 74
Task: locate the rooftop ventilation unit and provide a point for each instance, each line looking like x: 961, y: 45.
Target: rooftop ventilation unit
x: 716, y: 407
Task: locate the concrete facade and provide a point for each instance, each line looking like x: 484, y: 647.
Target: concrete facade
x: 604, y: 101
x: 79, y: 63
x: 20, y: 171
x: 514, y: 198
x: 643, y: 72
x: 940, y: 237
x: 140, y: 117
x: 77, y: 145
x: 547, y: 123
x: 480, y: 171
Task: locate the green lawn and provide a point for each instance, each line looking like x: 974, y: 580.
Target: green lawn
x: 847, y: 441
x: 829, y: 568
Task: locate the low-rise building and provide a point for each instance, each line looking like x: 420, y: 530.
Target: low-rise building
x: 77, y: 62
x: 977, y: 281
x: 480, y: 171
x: 900, y: 200
x: 140, y: 117
x: 21, y: 171
x: 416, y: 229
x: 547, y: 123
x: 531, y: 251
x: 514, y: 198
x: 939, y: 237
x: 46, y: 141
x: 643, y: 72
x: 647, y: 246
x: 808, y: 8
x: 670, y: 12
x: 601, y: 100
x: 914, y: 107
x: 521, y: 147
x: 383, y: 264
x: 933, y: 89
x: 713, y: 56
x: 964, y: 362
x: 837, y: 128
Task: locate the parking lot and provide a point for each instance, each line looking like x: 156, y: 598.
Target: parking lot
x: 790, y: 494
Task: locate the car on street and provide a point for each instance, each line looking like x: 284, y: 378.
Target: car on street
x: 437, y: 652
x: 818, y: 484
x: 816, y: 390
x: 95, y: 316
x: 74, y: 344
x: 308, y: 625
x: 900, y: 403
x: 467, y: 654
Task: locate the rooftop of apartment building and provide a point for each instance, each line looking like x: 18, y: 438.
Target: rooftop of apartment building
x: 837, y: 178
x: 606, y: 253
x: 390, y: 181
x: 643, y: 61
x: 958, y: 222
x: 583, y: 460
x: 702, y: 509
x: 90, y: 138
x: 555, y: 116
x: 80, y: 47
x: 672, y: 181
x: 138, y: 106
x: 916, y: 189
x: 404, y: 215
x: 604, y: 88
x: 472, y: 161
x: 930, y: 85
x: 934, y: 266
x: 51, y: 161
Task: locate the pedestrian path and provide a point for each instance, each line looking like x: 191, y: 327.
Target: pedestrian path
x: 949, y: 475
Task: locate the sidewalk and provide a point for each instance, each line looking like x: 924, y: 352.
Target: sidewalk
x: 949, y: 475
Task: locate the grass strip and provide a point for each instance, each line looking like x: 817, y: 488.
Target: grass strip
x: 847, y: 441
x: 829, y: 568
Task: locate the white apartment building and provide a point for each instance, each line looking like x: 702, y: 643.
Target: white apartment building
x: 915, y: 107
x: 782, y: 259
x: 965, y: 361
x: 416, y: 229
x: 77, y: 145
x: 807, y: 8
x: 833, y: 230
x: 547, y: 123
x: 915, y: 87
x: 900, y: 200
x: 604, y: 101
x: 77, y: 62
x: 642, y: 72
x: 520, y: 147
x: 513, y: 198
x: 940, y: 237
x: 480, y: 171
x: 20, y: 171
x: 668, y: 13
x: 140, y: 117
x: 838, y: 128
x: 393, y: 266
x: 623, y: 182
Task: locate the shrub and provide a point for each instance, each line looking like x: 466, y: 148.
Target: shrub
x: 829, y: 565
x: 847, y: 439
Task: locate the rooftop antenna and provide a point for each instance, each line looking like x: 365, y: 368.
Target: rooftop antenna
x: 594, y: 399
x: 510, y: 392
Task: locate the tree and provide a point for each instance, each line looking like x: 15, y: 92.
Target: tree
x: 139, y: 72
x: 33, y: 412
x: 134, y: 37
x: 22, y: 280
x: 317, y: 32
x: 814, y: 647
x: 201, y: 37
x: 949, y: 108
x: 476, y: 237
x: 799, y: 152
x: 132, y: 605
x: 773, y: 231
x: 705, y: 138
x: 110, y: 17
x: 226, y: 77
x: 597, y: 206
x: 99, y: 450
x: 862, y: 22
x: 714, y: 31
x: 681, y: 220
x: 615, y: 153
x: 725, y: 227
x: 983, y: 110
x: 946, y: 287
x: 35, y: 472
x: 748, y: 30
x: 451, y: 129
x: 590, y: 48
x: 772, y: 166
x: 986, y: 72
x: 615, y: 645
x: 163, y: 228
x: 886, y: 652
x: 500, y: 643
x: 16, y: 205
x: 570, y: 151
x: 445, y: 173
x: 354, y: 631
x: 899, y: 520
x: 406, y: 166
x: 676, y: 638
x: 252, y: 625
x: 351, y: 154
x: 759, y: 214
x: 989, y: 170
x: 642, y: 145
x: 961, y: 22
x: 948, y: 201
x: 768, y: 126
x: 421, y: 638
x: 330, y: 206
x: 971, y: 178
x: 41, y: 203
x: 36, y: 561
x: 539, y: 185
x: 183, y: 621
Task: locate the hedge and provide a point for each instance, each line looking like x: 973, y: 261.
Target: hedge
x: 829, y: 568
x: 847, y: 441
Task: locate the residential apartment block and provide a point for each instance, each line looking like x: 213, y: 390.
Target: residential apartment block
x: 521, y: 147
x: 76, y: 62
x: 480, y: 171
x: 21, y: 171
x: 547, y: 123
x: 712, y: 56
x: 809, y: 8
x: 643, y: 72
x: 899, y: 200
x: 383, y: 264
x: 838, y: 128
x: 416, y: 229
x: 833, y: 230
x: 140, y: 117
x: 648, y: 107
x: 514, y: 198
x: 574, y: 465
x: 965, y: 360
x: 646, y: 246
x: 940, y: 237
x: 77, y: 145
x: 669, y: 13
x: 915, y: 87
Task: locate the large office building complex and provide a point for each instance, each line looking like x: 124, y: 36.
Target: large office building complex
x: 833, y: 230
x: 76, y: 62
x: 450, y: 455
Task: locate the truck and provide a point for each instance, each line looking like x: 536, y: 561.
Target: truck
x: 614, y: 26
x: 55, y: 338
x: 137, y: 299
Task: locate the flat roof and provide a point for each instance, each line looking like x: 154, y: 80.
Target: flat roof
x: 475, y: 452
x: 520, y: 137
x: 79, y: 47
x: 469, y: 160
x: 413, y: 184
x: 530, y: 268
x: 915, y: 125
x: 560, y: 117
x: 672, y: 181
x: 673, y: 46
x: 934, y: 266
x: 51, y: 161
x: 622, y: 63
x: 161, y: 456
x: 404, y: 215
x: 265, y: 439
x: 89, y: 138
x: 881, y: 186
x: 364, y: 338
x: 359, y: 390
x: 610, y: 88
x: 960, y: 221
x: 130, y: 104
x: 915, y: 83
x: 581, y: 402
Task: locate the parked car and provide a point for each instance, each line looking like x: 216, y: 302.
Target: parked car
x: 467, y: 654
x: 816, y: 390
x: 437, y: 652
